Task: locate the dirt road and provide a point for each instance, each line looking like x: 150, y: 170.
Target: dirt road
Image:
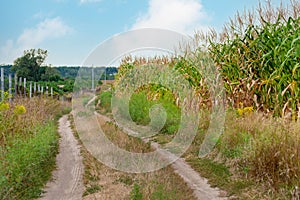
x: 67, y: 178
x: 202, y: 190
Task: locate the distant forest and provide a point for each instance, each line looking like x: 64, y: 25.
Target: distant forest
x: 71, y: 72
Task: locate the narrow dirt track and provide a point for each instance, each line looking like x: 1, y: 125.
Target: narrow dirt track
x: 202, y: 190
x: 67, y: 178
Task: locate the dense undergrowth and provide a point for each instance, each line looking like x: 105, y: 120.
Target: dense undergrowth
x: 28, y: 146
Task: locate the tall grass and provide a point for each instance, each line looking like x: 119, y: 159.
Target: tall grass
x: 28, y: 145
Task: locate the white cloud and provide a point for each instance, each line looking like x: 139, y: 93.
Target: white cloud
x: 47, y: 29
x: 179, y: 15
x: 33, y: 37
x: 89, y: 1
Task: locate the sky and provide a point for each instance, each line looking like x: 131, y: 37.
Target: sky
x: 71, y: 29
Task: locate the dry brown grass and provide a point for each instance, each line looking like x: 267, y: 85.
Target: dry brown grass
x: 102, y: 182
x: 261, y: 153
x: 37, y: 111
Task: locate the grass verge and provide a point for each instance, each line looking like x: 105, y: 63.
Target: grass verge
x: 26, y: 164
x: 28, y: 146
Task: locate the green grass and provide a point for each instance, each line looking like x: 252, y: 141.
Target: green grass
x: 92, y: 189
x: 152, y: 112
x: 136, y: 193
x: 26, y: 164
x: 219, y: 176
x: 105, y: 101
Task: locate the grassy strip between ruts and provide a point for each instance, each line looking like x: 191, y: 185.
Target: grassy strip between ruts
x: 102, y: 182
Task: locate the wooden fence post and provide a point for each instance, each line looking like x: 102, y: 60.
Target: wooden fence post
x: 10, y: 87
x: 16, y: 84
x: 93, y: 79
x: 25, y: 87
x: 39, y: 89
x: 34, y: 88
x: 20, y: 86
x: 30, y: 89
x: 2, y: 84
x: 46, y: 91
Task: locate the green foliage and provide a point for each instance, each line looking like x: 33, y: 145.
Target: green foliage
x: 92, y: 189
x: 135, y: 193
x: 28, y: 146
x: 50, y: 74
x: 173, y: 117
x: 29, y: 65
x: 105, y: 101
x: 261, y: 66
x: 26, y: 164
x: 139, y: 107
x: 160, y: 194
x: 233, y: 145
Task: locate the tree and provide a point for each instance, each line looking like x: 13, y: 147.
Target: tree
x: 29, y: 65
x: 50, y: 74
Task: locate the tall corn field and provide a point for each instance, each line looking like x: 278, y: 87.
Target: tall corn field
x: 257, y: 54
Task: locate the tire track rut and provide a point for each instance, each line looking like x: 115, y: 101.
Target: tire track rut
x: 67, y: 183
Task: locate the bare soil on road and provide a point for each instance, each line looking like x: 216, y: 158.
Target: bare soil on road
x: 67, y: 178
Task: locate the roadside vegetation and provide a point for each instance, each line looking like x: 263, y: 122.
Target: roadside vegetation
x: 258, y: 56
x: 28, y: 146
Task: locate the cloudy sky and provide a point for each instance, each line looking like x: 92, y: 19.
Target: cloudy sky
x: 71, y: 29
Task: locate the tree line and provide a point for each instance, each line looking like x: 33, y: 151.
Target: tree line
x: 31, y: 66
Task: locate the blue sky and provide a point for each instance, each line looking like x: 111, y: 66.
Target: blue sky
x: 71, y: 29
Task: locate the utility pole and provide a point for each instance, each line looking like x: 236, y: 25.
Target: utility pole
x: 93, y: 78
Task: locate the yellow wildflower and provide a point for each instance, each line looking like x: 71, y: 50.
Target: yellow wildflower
x: 244, y: 111
x: 4, y: 106
x: 248, y: 109
x: 19, y: 110
x: 240, y: 111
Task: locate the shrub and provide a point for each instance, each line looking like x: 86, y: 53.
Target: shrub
x: 139, y: 107
x: 105, y: 101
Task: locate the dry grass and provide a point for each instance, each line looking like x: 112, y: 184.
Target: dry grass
x: 123, y: 140
x: 102, y: 182
x: 37, y: 111
x: 257, y: 157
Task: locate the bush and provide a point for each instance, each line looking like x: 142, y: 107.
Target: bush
x: 105, y: 101
x: 139, y: 107
x: 173, y: 117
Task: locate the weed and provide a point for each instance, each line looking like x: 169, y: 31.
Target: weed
x: 135, y: 193
x: 92, y: 189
